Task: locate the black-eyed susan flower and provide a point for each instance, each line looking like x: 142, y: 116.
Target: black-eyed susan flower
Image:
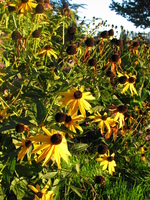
x: 26, y: 5
x: 47, y: 50
x: 107, y: 160
x: 128, y: 83
x: 54, y: 144
x: 104, y: 121
x: 71, y: 122
x: 3, y: 114
x: 76, y: 98
x: 25, y: 145
x: 119, y: 114
x: 142, y: 152
x: 42, y: 194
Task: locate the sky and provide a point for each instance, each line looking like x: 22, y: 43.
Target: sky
x: 100, y: 9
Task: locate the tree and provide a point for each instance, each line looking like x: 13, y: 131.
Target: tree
x: 136, y: 11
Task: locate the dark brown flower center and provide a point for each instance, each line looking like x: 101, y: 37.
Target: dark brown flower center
x: 39, y: 9
x: 99, y: 179
x: 60, y: 117
x: 110, y: 158
x: 20, y: 127
x: 36, y: 34
x: 1, y: 117
x: 118, y: 43
x: 68, y: 119
x: 104, y: 118
x: 135, y: 44
x: 115, y: 57
x: 47, y: 47
x: 102, y: 149
x: 78, y: 94
x: 111, y: 32
x: 39, y: 194
x: 71, y: 30
x: 109, y: 73
x: 89, y: 42
x: 56, y: 139
x: 131, y: 79
x: 24, y: 1
x: 122, y: 79
x: 104, y: 34
x: 28, y: 143
x: 92, y: 62
x: 122, y: 108
x: 16, y: 35
x: 71, y: 50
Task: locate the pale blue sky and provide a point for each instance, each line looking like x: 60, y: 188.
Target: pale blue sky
x: 100, y: 9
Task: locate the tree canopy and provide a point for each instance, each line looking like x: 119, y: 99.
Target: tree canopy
x: 136, y: 11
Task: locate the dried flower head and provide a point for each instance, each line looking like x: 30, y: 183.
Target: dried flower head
x: 119, y: 43
x: 71, y: 50
x: 111, y: 32
x: 104, y: 34
x: 115, y: 58
x: 39, y: 9
x: 109, y: 73
x: 89, y: 42
x: 71, y: 30
x: 16, y: 35
x: 36, y: 33
x: 92, y: 62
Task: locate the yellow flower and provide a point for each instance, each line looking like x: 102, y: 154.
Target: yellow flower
x: 77, y: 99
x: 41, y: 194
x: 25, y: 144
x: 3, y: 114
x: 54, y: 144
x: 107, y: 160
x: 119, y: 114
x: 142, y: 151
x: 26, y: 5
x: 71, y: 124
x: 47, y: 50
x: 103, y: 121
x: 129, y: 83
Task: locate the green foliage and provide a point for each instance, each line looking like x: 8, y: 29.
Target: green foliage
x: 34, y: 72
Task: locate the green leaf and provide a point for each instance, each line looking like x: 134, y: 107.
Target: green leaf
x: 49, y: 175
x: 41, y: 111
x: 79, y: 147
x: 19, y: 187
x: 76, y: 190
